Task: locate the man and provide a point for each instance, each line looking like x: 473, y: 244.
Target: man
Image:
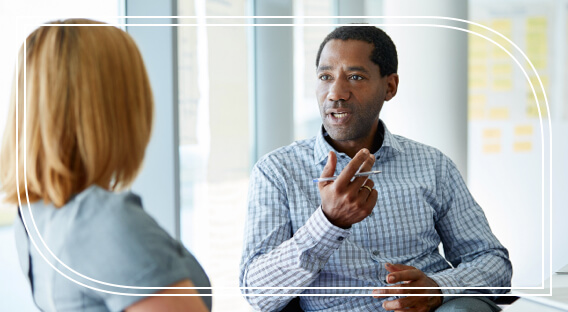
x: 359, y: 233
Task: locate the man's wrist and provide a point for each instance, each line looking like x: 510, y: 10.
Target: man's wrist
x: 345, y: 227
x: 325, y: 235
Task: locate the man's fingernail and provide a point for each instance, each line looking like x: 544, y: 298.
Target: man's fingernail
x: 390, y: 279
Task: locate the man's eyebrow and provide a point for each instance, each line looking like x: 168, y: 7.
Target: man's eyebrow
x: 350, y: 68
x: 358, y: 68
x: 324, y: 67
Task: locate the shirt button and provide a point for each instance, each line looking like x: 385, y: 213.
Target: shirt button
x: 376, y: 253
x: 340, y: 238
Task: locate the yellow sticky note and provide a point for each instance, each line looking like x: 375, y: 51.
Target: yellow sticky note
x: 536, y: 83
x: 538, y: 62
x: 500, y: 52
x: 477, y: 100
x: 537, y: 23
x: 502, y: 69
x: 477, y: 69
x: 524, y: 130
x: 537, y: 48
x: 492, y: 133
x: 477, y: 29
x: 478, y: 81
x: 536, y: 39
x: 491, y: 148
x: 503, y: 26
x: 476, y: 106
x: 480, y: 54
x: 533, y: 108
x: 499, y: 113
x: 476, y: 113
x: 476, y: 42
x: 502, y: 83
x: 477, y: 46
x: 524, y: 146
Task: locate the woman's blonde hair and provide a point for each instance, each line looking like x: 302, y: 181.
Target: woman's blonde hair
x: 88, y: 115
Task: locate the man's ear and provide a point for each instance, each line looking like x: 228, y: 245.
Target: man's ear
x: 392, y: 86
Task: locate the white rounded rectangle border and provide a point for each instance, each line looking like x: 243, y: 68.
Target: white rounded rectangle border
x: 202, y: 18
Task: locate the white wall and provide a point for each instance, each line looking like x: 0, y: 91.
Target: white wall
x: 431, y: 103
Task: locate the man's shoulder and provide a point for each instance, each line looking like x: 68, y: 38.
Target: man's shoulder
x: 298, y: 151
x: 413, y: 147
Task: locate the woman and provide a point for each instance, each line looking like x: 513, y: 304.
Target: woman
x: 82, y: 137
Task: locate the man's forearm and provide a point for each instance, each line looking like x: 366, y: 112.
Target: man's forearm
x: 296, y: 262
x: 490, y: 270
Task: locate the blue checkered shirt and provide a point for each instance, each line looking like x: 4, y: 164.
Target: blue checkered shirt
x: 423, y: 201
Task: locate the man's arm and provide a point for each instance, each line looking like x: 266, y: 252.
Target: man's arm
x: 276, y: 257
x: 477, y: 256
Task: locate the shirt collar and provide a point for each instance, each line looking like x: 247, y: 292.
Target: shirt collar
x: 390, y: 148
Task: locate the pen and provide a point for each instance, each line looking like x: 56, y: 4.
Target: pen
x: 358, y: 174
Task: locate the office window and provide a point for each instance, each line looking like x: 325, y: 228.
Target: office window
x: 14, y: 288
x: 307, y: 39
x: 214, y: 141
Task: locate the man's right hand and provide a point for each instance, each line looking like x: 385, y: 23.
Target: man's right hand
x: 345, y: 202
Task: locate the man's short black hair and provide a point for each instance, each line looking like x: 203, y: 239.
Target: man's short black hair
x: 384, y: 53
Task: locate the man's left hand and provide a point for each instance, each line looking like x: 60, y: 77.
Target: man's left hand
x: 409, y: 276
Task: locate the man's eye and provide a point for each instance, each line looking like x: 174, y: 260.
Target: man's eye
x: 324, y: 77
x: 356, y: 77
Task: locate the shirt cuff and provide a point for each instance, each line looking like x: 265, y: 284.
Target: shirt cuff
x: 445, y: 279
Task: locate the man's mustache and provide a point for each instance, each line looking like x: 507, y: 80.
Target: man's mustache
x: 337, y: 104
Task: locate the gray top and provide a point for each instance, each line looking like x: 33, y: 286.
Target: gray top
x: 103, y: 240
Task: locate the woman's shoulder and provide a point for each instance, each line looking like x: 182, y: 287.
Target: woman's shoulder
x: 113, y: 218
x: 116, y: 240
x: 112, y: 239
x: 98, y: 203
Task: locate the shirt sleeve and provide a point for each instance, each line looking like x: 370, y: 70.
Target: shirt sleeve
x: 129, y: 251
x: 273, y: 256
x: 477, y: 256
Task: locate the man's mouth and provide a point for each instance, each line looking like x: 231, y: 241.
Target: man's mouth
x: 339, y: 115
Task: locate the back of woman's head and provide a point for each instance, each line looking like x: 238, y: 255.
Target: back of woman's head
x: 87, y: 113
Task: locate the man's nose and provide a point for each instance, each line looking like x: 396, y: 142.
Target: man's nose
x: 339, y: 90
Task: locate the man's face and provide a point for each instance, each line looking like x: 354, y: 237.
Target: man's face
x: 350, y: 90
